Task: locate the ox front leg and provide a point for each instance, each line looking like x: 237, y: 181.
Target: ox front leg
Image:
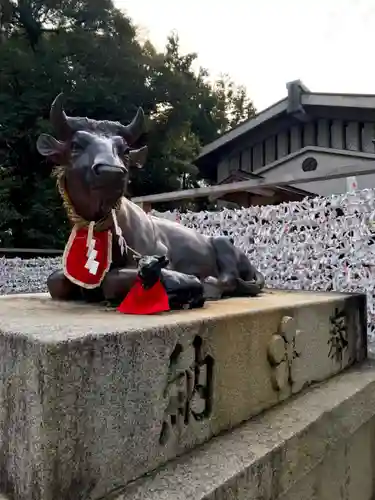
x: 117, y: 284
x: 60, y: 288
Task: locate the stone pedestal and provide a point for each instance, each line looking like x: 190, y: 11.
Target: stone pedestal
x: 318, y: 446
x: 91, y: 399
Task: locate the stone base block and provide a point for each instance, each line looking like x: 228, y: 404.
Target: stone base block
x: 317, y: 446
x: 91, y: 399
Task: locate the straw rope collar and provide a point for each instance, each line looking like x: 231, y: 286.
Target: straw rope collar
x: 79, y: 222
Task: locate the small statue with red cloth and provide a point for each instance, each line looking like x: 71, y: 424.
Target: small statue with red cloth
x: 157, y: 289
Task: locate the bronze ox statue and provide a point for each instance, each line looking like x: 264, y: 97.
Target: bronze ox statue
x: 95, y: 158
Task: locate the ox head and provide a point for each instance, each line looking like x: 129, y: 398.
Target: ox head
x: 96, y: 156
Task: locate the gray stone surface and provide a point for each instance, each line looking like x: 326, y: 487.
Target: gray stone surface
x: 319, y: 446
x: 91, y: 399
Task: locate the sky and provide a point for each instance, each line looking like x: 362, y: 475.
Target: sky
x: 263, y: 44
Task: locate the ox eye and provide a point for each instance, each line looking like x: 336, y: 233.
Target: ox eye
x: 75, y: 147
x: 122, y: 147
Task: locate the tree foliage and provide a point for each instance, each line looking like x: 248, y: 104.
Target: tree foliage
x: 89, y: 50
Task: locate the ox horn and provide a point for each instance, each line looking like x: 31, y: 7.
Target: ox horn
x: 59, y: 120
x: 136, y: 128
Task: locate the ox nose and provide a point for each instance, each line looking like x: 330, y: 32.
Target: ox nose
x: 104, y: 170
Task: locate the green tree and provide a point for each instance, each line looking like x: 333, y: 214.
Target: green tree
x: 90, y: 50
x: 190, y: 112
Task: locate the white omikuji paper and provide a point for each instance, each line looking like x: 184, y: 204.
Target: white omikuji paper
x: 319, y: 244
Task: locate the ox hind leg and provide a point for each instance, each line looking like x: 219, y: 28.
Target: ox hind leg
x: 237, y: 276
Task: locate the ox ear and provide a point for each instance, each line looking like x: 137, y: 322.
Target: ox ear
x: 49, y: 146
x: 137, y: 157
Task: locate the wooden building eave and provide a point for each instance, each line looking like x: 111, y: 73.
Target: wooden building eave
x: 300, y: 104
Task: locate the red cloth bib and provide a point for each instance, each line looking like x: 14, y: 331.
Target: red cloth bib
x: 141, y: 301
x: 87, y: 266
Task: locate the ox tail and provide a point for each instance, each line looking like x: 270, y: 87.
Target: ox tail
x: 251, y: 288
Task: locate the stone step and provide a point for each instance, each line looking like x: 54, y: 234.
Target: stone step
x: 91, y: 399
x: 316, y: 446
